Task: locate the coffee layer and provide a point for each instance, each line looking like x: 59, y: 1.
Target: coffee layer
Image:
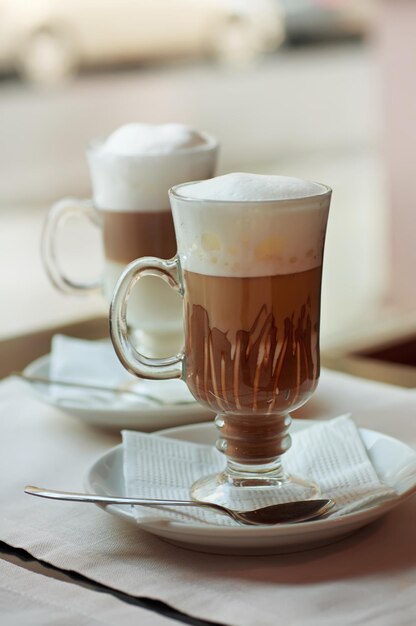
x: 128, y: 236
x: 252, y: 344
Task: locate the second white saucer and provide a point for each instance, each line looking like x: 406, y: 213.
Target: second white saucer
x: 113, y: 413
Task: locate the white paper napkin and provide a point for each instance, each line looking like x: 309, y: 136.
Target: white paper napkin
x: 330, y: 453
x: 95, y: 363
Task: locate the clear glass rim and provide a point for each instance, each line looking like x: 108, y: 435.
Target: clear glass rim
x: 211, y: 143
x: 325, y: 193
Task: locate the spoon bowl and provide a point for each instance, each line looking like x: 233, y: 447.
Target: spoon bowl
x: 283, y: 513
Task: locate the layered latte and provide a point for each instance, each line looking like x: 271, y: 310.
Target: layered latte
x: 251, y: 251
x: 132, y: 171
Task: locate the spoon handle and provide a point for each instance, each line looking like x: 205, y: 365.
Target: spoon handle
x: 96, y: 499
x: 274, y: 514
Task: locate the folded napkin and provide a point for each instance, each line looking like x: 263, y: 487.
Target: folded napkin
x: 330, y: 453
x: 95, y: 363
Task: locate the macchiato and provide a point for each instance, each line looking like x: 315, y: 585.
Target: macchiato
x: 132, y: 171
x: 252, y: 300
x: 249, y: 268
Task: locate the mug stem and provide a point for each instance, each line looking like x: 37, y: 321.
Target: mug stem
x: 253, y: 441
x: 254, y: 474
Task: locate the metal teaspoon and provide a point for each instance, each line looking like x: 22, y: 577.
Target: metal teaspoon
x: 285, y: 513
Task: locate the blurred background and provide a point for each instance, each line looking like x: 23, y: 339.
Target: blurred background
x: 320, y: 89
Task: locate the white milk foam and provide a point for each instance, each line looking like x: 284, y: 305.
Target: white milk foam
x: 133, y: 139
x: 243, y: 187
x: 133, y: 169
x: 226, y: 230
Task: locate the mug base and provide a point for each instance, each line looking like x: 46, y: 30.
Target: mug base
x: 249, y: 492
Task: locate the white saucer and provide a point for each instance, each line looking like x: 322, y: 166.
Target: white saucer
x: 146, y: 417
x: 394, y: 461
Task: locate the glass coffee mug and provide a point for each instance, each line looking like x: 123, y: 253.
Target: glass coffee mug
x: 249, y: 273
x: 131, y: 207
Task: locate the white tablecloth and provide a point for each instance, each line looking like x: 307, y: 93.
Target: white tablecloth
x: 368, y: 578
x: 31, y: 599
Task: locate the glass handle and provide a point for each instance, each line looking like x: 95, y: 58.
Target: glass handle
x: 57, y: 216
x: 133, y: 360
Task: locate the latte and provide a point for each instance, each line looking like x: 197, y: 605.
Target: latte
x: 249, y: 269
x: 251, y: 252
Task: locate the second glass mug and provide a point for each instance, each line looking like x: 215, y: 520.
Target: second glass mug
x: 250, y: 276
x: 130, y: 206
